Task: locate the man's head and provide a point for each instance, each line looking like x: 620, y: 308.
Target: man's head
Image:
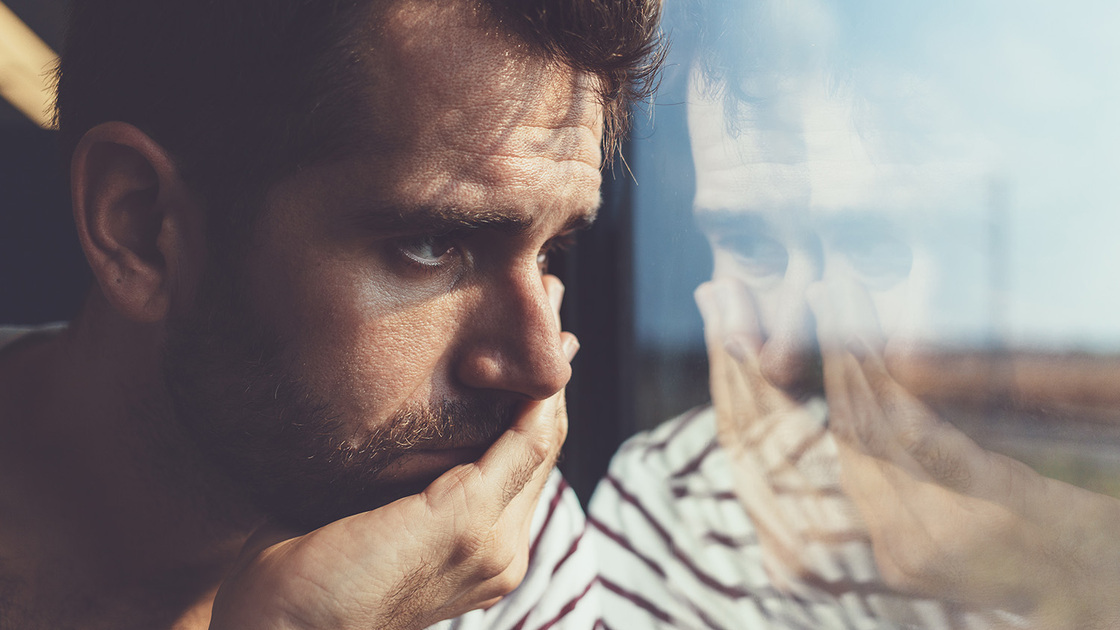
x: 341, y: 241
x: 817, y: 159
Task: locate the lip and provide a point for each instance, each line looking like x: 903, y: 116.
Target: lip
x: 431, y: 463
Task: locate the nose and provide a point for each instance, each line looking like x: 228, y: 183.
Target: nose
x: 790, y: 355
x: 511, y: 341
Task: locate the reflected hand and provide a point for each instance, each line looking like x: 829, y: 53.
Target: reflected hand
x: 949, y: 519
x: 461, y: 544
x: 784, y: 462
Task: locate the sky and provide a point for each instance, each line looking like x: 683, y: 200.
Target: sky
x: 1031, y: 259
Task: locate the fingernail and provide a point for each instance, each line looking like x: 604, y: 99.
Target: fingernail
x: 737, y: 348
x: 556, y: 295
x: 571, y: 347
x: 705, y: 301
x: 858, y: 346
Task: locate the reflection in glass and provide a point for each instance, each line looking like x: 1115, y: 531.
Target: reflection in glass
x: 909, y: 318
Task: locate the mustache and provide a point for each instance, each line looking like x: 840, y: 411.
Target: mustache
x: 448, y: 423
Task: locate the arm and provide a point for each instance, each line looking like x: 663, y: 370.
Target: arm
x: 948, y: 519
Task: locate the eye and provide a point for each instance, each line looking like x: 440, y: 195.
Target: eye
x: 561, y: 243
x: 757, y: 254
x: 428, y: 250
x: 883, y: 260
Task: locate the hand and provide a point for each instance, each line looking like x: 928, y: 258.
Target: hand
x: 459, y: 545
x: 784, y: 461
x: 948, y: 519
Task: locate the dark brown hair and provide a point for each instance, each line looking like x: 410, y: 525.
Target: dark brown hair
x: 243, y: 92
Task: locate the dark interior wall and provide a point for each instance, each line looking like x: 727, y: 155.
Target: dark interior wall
x: 43, y: 274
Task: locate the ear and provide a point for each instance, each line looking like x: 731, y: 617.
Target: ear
x: 138, y: 224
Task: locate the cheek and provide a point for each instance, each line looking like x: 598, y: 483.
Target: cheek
x: 904, y: 309
x: 360, y: 347
x: 766, y: 296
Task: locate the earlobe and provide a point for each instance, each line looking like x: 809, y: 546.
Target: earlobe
x: 134, y: 218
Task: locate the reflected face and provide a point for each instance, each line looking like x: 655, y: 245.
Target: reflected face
x: 805, y: 193
x: 389, y: 318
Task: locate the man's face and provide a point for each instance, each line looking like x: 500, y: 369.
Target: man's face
x: 389, y: 317
x: 808, y: 191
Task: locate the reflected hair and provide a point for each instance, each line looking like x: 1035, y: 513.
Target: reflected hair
x: 245, y: 92
x: 744, y: 49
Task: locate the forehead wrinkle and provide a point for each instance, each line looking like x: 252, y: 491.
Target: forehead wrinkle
x: 532, y: 141
x: 454, y: 73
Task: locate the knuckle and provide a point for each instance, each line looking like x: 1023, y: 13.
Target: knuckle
x: 501, y: 570
x: 893, y: 576
x: 469, y: 547
x: 914, y: 567
x: 512, y: 577
x: 925, y: 446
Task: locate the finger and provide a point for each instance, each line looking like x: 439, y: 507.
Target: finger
x: 266, y: 536
x: 855, y: 412
x: 945, y: 454
x: 855, y: 312
x: 555, y: 289
x: 841, y: 419
x: 730, y: 313
x: 732, y: 337
x: 486, y: 487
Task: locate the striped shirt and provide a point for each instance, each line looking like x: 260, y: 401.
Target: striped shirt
x: 678, y: 550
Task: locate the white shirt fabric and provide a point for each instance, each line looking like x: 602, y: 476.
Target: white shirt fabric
x: 677, y: 550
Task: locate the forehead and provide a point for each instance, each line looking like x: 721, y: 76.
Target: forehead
x: 457, y: 106
x: 814, y: 150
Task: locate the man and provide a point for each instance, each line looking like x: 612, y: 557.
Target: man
x: 817, y: 492
x: 319, y: 380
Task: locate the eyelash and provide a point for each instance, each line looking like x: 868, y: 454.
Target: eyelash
x: 561, y: 243
x: 448, y: 244
x: 445, y: 242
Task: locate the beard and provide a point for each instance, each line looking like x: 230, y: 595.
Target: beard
x: 286, y: 448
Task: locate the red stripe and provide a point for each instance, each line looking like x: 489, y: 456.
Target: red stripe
x: 568, y: 554
x: 633, y: 500
x: 569, y: 607
x: 694, y: 465
x: 683, y: 491
x: 625, y: 544
x: 799, y: 451
x: 728, y: 541
x: 638, y: 601
x: 705, y: 578
x: 685, y: 420
x: 563, y: 485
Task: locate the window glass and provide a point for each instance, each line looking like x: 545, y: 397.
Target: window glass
x: 898, y: 221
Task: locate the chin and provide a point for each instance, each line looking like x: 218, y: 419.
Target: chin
x: 429, y: 464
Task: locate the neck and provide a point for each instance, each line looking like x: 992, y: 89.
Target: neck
x: 122, y: 501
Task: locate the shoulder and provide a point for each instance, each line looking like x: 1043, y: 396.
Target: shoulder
x: 14, y: 340
x: 678, y: 457
x: 676, y: 549
x: 9, y: 335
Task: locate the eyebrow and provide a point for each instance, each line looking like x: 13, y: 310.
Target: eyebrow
x: 713, y: 221
x: 444, y: 219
